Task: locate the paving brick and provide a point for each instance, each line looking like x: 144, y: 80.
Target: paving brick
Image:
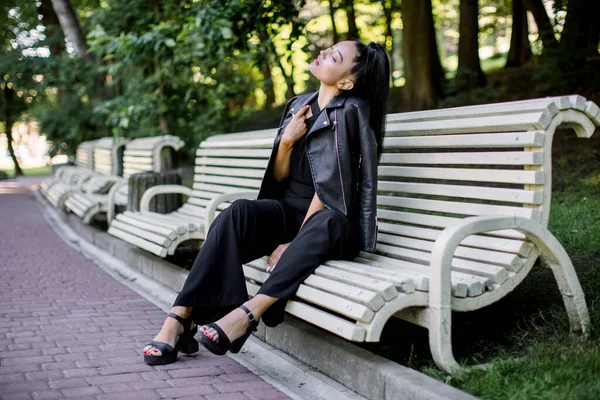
x: 116, y: 388
x: 21, y: 388
x: 17, y: 396
x: 198, y: 371
x: 186, y: 391
x: 19, y: 368
x: 48, y: 394
x: 150, y: 385
x: 122, y: 369
x: 104, y: 380
x: 58, y: 365
x: 12, y: 378
x: 137, y: 395
x: 10, y: 362
x: 244, y: 377
x: 155, y: 375
x: 226, y: 396
x: 80, y: 372
x: 241, y: 386
x: 92, y: 363
x: 266, y: 394
x: 68, y: 383
x: 82, y: 391
x: 43, y: 375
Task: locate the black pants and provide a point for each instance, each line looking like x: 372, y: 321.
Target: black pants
x: 250, y: 229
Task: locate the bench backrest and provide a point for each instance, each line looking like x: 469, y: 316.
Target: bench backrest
x: 152, y: 154
x: 108, y: 156
x: 440, y: 166
x: 84, y: 155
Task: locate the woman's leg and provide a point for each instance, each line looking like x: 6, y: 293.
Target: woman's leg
x: 326, y: 235
x: 243, y: 232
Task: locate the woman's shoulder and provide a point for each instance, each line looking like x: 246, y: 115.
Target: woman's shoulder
x: 356, y: 102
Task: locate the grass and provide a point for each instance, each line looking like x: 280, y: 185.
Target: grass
x: 29, y: 171
x: 523, y: 340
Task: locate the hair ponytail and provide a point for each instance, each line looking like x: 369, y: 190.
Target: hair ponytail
x: 372, y: 74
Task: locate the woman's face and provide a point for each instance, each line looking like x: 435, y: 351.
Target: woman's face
x: 333, y: 64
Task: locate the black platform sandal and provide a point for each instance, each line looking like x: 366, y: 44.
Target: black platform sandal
x: 184, y: 343
x: 222, y: 345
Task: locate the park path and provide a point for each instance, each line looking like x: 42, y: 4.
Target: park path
x: 68, y: 330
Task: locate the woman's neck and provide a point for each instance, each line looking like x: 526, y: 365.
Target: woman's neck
x: 326, y: 93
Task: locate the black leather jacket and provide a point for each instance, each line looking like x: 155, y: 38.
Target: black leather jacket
x: 342, y: 154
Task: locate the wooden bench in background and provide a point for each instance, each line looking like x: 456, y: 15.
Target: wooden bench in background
x: 463, y: 207
x: 154, y: 154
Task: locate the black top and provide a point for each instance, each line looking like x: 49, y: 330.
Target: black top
x: 300, y: 189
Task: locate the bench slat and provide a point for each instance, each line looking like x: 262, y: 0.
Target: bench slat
x: 438, y: 221
x: 485, y: 242
x: 174, y: 225
x: 387, y: 290
x: 472, y: 158
x: 457, y: 207
x: 139, y: 242
x: 151, y: 227
x: 243, y: 153
x: 500, y: 123
x: 241, y: 182
x: 230, y: 172
x: 146, y: 235
x: 249, y: 143
x: 468, y: 192
x: 467, y: 174
x: 484, y: 140
x: 232, y: 162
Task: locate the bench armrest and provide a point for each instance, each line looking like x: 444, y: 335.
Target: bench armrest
x: 162, y: 189
x: 112, y: 194
x: 211, y: 208
x: 440, y: 288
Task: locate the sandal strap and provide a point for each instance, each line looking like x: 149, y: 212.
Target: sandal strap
x: 248, y: 313
x: 178, y: 318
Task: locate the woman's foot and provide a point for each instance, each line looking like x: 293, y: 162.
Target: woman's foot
x: 169, y: 333
x: 235, y: 324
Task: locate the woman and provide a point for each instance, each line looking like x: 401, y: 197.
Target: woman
x: 317, y: 202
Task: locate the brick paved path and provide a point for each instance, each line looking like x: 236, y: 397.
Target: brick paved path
x: 68, y: 330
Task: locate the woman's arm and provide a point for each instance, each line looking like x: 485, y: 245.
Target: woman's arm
x: 294, y: 131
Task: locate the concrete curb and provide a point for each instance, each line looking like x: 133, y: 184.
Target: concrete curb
x: 313, y: 352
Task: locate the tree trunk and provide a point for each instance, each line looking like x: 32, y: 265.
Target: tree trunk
x: 545, y: 28
x: 52, y: 24
x: 351, y: 16
x: 68, y: 22
x: 579, y: 38
x: 423, y: 70
x: 388, y: 8
x: 289, y: 80
x: 520, y: 50
x: 468, y: 74
x: 334, y: 31
x: 9, y: 138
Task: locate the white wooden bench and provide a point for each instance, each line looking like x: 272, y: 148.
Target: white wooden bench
x: 69, y: 177
x: 140, y: 155
x: 463, y: 207
x: 227, y: 166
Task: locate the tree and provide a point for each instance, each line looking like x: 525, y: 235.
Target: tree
x: 468, y: 74
x: 70, y: 26
x: 581, y: 32
x: 353, y: 32
x: 545, y: 28
x: 520, y: 50
x: 332, y: 10
x: 389, y: 7
x: 423, y: 70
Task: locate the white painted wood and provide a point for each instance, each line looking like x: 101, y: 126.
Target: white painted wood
x: 142, y: 243
x: 467, y: 192
x: 593, y: 112
x: 233, y: 172
x: 484, y: 140
x: 485, y: 242
x: 466, y: 174
x: 241, y: 182
x: 258, y: 134
x: 142, y: 233
x: 161, y: 189
x: 456, y: 207
x: 436, y: 221
x: 336, y: 304
x: 387, y: 290
x: 470, y: 158
x: 149, y: 227
x: 232, y: 144
x: 245, y: 153
x: 233, y: 162
x: 501, y: 123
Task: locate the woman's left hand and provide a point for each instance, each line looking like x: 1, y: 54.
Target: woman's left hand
x: 275, y: 256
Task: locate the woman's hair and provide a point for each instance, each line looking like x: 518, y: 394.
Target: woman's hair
x: 371, y: 70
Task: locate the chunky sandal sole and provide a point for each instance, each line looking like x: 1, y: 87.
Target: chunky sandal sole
x: 221, y: 346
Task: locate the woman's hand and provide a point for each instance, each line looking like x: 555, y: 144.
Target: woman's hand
x: 275, y: 256
x: 296, y: 128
